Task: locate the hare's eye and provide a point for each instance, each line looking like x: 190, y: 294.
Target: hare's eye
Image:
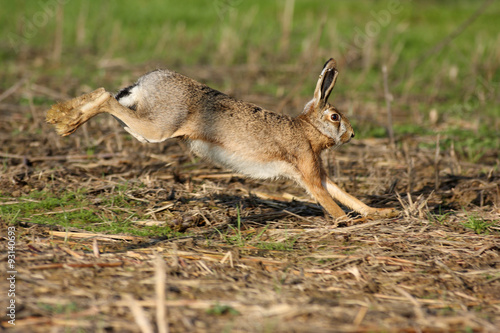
x: 334, y: 117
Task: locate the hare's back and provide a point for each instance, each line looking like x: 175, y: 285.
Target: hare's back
x: 167, y: 89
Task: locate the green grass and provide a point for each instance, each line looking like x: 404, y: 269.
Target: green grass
x: 235, y: 236
x: 59, y: 308
x: 478, y: 224
x: 440, y: 217
x: 220, y: 309
x: 194, y: 32
x: 105, y: 214
x: 277, y: 246
x: 238, y: 237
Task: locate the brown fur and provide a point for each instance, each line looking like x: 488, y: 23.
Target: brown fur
x: 239, y: 135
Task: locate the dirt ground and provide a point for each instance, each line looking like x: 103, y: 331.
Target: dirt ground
x: 250, y: 256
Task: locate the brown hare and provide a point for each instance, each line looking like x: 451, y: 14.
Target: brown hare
x: 238, y: 135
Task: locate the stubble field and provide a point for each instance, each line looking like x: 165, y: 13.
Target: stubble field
x: 112, y: 235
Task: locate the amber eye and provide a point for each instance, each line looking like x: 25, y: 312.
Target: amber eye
x: 335, y: 117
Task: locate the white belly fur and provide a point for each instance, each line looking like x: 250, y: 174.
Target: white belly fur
x: 241, y: 164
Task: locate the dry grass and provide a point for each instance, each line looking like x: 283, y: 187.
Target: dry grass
x: 399, y: 275
x: 254, y: 256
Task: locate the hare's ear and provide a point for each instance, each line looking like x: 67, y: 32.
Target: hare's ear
x: 325, y: 84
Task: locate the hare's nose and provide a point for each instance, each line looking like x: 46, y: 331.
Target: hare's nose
x: 352, y: 135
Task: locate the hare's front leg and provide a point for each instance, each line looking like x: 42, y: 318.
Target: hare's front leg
x: 355, y: 204
x: 315, y: 188
x: 310, y: 177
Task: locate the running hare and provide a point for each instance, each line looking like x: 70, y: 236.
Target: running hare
x: 239, y: 135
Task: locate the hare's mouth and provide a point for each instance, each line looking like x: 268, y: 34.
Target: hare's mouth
x: 345, y: 138
x: 347, y: 135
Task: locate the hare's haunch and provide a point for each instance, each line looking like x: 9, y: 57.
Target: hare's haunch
x: 239, y: 135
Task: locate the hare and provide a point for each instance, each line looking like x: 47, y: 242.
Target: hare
x: 238, y: 135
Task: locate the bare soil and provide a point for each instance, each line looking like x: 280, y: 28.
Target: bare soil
x: 284, y: 267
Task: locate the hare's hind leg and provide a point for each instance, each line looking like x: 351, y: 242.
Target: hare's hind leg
x: 355, y: 204
x: 68, y: 116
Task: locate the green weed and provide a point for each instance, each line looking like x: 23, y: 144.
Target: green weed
x: 237, y: 237
x: 59, y: 308
x: 477, y: 224
x: 277, y: 246
x: 221, y: 309
x: 438, y: 217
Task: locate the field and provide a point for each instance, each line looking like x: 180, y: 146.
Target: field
x: 107, y: 234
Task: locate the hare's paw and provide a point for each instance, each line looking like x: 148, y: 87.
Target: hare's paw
x: 383, y: 213
x: 64, y: 119
x: 68, y: 116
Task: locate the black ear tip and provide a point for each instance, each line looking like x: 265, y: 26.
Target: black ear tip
x: 331, y: 63
x: 326, y: 63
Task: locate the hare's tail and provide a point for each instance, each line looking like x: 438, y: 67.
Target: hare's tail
x: 129, y: 96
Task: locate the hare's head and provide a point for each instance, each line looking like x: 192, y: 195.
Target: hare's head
x: 324, y: 116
